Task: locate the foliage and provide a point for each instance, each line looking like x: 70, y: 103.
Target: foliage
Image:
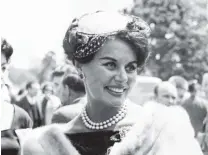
x: 179, y: 36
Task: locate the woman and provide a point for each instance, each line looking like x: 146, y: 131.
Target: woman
x: 12, y: 117
x: 108, y: 49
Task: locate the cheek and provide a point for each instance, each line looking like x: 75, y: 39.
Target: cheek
x: 96, y: 79
x: 132, y: 80
x: 98, y: 75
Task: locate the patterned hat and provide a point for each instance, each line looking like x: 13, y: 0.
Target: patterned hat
x: 88, y: 34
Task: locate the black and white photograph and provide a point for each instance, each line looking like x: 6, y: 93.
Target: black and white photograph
x: 104, y: 77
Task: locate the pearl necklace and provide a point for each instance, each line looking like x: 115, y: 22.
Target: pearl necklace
x: 105, y: 124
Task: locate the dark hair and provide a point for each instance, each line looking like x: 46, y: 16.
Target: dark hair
x: 21, y: 91
x: 6, y: 49
x: 136, y: 35
x: 46, y: 85
x: 192, y: 86
x: 57, y: 73
x: 74, y: 82
x: 29, y: 84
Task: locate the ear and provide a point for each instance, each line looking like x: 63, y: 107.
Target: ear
x: 77, y: 65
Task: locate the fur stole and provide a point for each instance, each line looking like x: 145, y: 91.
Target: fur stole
x: 162, y: 132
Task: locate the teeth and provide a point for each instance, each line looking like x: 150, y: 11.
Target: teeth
x: 117, y: 90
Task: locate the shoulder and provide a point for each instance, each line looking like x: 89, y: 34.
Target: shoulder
x: 22, y: 100
x: 33, y: 137
x: 56, y: 102
x: 67, y: 113
x: 22, y: 116
x: 67, y: 110
x: 48, y: 140
x: 19, y: 111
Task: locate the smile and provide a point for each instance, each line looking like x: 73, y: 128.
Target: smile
x: 115, y: 91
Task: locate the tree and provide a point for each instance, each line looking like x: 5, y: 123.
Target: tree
x: 179, y: 36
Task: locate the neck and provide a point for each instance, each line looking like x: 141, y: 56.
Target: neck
x: 70, y: 100
x: 99, y: 111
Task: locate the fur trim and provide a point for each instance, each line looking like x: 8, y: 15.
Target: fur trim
x: 165, y: 132
x: 54, y: 142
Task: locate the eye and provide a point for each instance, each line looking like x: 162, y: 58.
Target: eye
x: 3, y: 68
x: 166, y: 96
x: 110, y: 65
x: 131, y: 68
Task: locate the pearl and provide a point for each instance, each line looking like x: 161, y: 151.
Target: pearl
x: 105, y: 124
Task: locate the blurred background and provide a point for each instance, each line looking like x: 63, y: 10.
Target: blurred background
x: 35, y: 29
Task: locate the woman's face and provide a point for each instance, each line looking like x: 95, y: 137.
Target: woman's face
x: 111, y: 74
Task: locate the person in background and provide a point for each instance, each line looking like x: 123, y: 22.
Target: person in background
x: 197, y: 109
x: 72, y: 91
x: 47, y: 66
x: 12, y: 116
x: 166, y: 93
x: 58, y: 75
x: 181, y: 85
x: 21, y: 93
x: 48, y: 104
x: 30, y: 102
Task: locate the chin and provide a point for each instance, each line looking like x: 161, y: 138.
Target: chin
x: 116, y: 102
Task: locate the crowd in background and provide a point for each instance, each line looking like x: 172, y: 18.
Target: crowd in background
x: 58, y: 98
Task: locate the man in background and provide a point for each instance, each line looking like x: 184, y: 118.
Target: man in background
x: 165, y: 93
x: 58, y: 75
x: 30, y: 102
x: 197, y: 109
x: 48, y: 104
x: 72, y: 94
x: 181, y: 85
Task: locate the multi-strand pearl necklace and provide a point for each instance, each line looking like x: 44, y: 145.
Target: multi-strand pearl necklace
x: 105, y: 124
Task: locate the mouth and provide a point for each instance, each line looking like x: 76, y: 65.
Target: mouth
x: 116, y: 91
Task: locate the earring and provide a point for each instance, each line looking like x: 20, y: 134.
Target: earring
x: 82, y: 76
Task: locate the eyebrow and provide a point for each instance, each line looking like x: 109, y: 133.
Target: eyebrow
x: 133, y: 62
x: 112, y: 59
x: 108, y: 58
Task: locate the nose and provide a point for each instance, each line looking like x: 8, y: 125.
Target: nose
x: 121, y: 76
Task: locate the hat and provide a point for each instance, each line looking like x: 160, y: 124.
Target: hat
x: 88, y: 34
